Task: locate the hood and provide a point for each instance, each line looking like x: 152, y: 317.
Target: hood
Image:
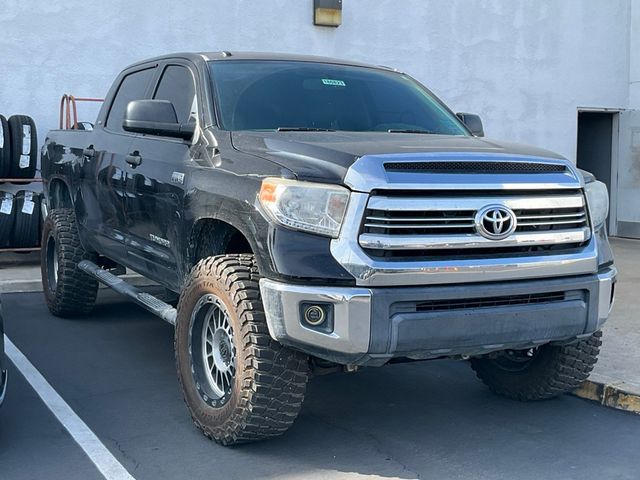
x: 326, y: 156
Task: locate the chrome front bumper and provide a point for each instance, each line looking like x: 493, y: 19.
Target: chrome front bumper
x: 367, y: 331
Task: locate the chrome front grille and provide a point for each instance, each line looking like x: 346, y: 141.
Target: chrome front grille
x: 411, y: 219
x: 551, y: 219
x: 425, y: 223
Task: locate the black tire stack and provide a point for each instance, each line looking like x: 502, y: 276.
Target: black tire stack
x: 24, y: 146
x: 27, y: 224
x: 5, y: 148
x: 7, y: 209
x: 20, y: 212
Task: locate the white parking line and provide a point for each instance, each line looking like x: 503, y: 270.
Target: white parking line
x: 100, y: 455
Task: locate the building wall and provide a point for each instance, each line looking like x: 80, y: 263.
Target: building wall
x: 524, y: 65
x: 634, y: 60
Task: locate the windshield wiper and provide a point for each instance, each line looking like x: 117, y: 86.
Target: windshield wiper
x: 303, y: 129
x: 394, y: 130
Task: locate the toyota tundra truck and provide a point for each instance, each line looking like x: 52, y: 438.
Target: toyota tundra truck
x: 312, y: 215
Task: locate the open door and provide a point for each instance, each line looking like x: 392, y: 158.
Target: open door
x: 627, y: 201
x: 596, y: 147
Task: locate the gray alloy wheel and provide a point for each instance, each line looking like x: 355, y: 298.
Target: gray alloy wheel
x: 52, y: 262
x: 213, y: 354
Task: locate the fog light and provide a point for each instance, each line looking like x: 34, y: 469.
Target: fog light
x: 317, y: 316
x: 314, y: 315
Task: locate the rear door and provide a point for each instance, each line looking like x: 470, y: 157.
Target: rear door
x: 157, y: 186
x: 105, y: 171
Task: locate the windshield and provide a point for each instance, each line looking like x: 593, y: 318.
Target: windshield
x: 294, y: 95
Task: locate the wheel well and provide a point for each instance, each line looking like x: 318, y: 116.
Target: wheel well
x: 59, y: 195
x: 215, y: 237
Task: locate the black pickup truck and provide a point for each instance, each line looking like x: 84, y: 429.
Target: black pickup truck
x: 316, y: 214
x: 3, y: 361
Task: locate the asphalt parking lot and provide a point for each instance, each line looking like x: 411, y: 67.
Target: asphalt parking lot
x: 429, y: 420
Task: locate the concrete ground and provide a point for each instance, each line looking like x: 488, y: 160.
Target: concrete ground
x: 20, y: 272
x: 615, y: 380
x: 620, y: 357
x: 425, y: 420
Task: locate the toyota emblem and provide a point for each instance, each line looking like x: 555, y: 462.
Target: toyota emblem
x: 495, y: 222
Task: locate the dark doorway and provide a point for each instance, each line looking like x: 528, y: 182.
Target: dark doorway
x: 595, y: 147
x: 595, y: 137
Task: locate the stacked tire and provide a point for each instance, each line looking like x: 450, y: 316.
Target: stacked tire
x: 20, y: 215
x: 27, y: 221
x: 7, y: 209
x: 18, y: 147
x: 20, y: 219
x: 5, y: 148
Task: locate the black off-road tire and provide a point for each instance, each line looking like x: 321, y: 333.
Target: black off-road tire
x: 5, y: 148
x: 267, y: 390
x: 552, y: 371
x: 26, y: 220
x: 7, y: 211
x: 68, y: 291
x: 24, y: 150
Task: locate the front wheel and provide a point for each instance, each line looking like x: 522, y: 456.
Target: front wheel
x: 239, y: 384
x: 539, y: 373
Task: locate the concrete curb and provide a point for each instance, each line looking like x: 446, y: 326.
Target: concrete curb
x: 611, y: 393
x: 27, y: 286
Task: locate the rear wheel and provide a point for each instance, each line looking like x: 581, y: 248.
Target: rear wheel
x: 539, y: 373
x: 238, y: 383
x: 67, y: 289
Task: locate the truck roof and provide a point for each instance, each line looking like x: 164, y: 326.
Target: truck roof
x: 233, y: 55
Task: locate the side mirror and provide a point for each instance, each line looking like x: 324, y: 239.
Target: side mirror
x: 156, y: 117
x: 473, y: 123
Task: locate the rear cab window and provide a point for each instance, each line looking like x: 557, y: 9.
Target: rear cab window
x: 132, y: 87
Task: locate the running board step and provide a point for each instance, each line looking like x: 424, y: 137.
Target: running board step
x: 145, y: 300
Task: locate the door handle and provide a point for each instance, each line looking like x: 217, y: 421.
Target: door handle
x: 134, y: 159
x: 89, y: 152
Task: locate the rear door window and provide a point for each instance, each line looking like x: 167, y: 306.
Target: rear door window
x: 133, y: 87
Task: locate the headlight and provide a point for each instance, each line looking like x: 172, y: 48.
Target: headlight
x: 598, y: 200
x: 311, y: 207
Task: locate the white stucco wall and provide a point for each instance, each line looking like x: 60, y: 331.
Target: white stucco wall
x: 634, y: 57
x: 524, y: 65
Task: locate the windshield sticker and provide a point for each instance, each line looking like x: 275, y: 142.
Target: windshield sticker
x: 334, y: 83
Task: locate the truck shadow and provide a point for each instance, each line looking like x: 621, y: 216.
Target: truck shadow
x: 435, y: 420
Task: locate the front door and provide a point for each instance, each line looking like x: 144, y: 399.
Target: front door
x: 157, y: 187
